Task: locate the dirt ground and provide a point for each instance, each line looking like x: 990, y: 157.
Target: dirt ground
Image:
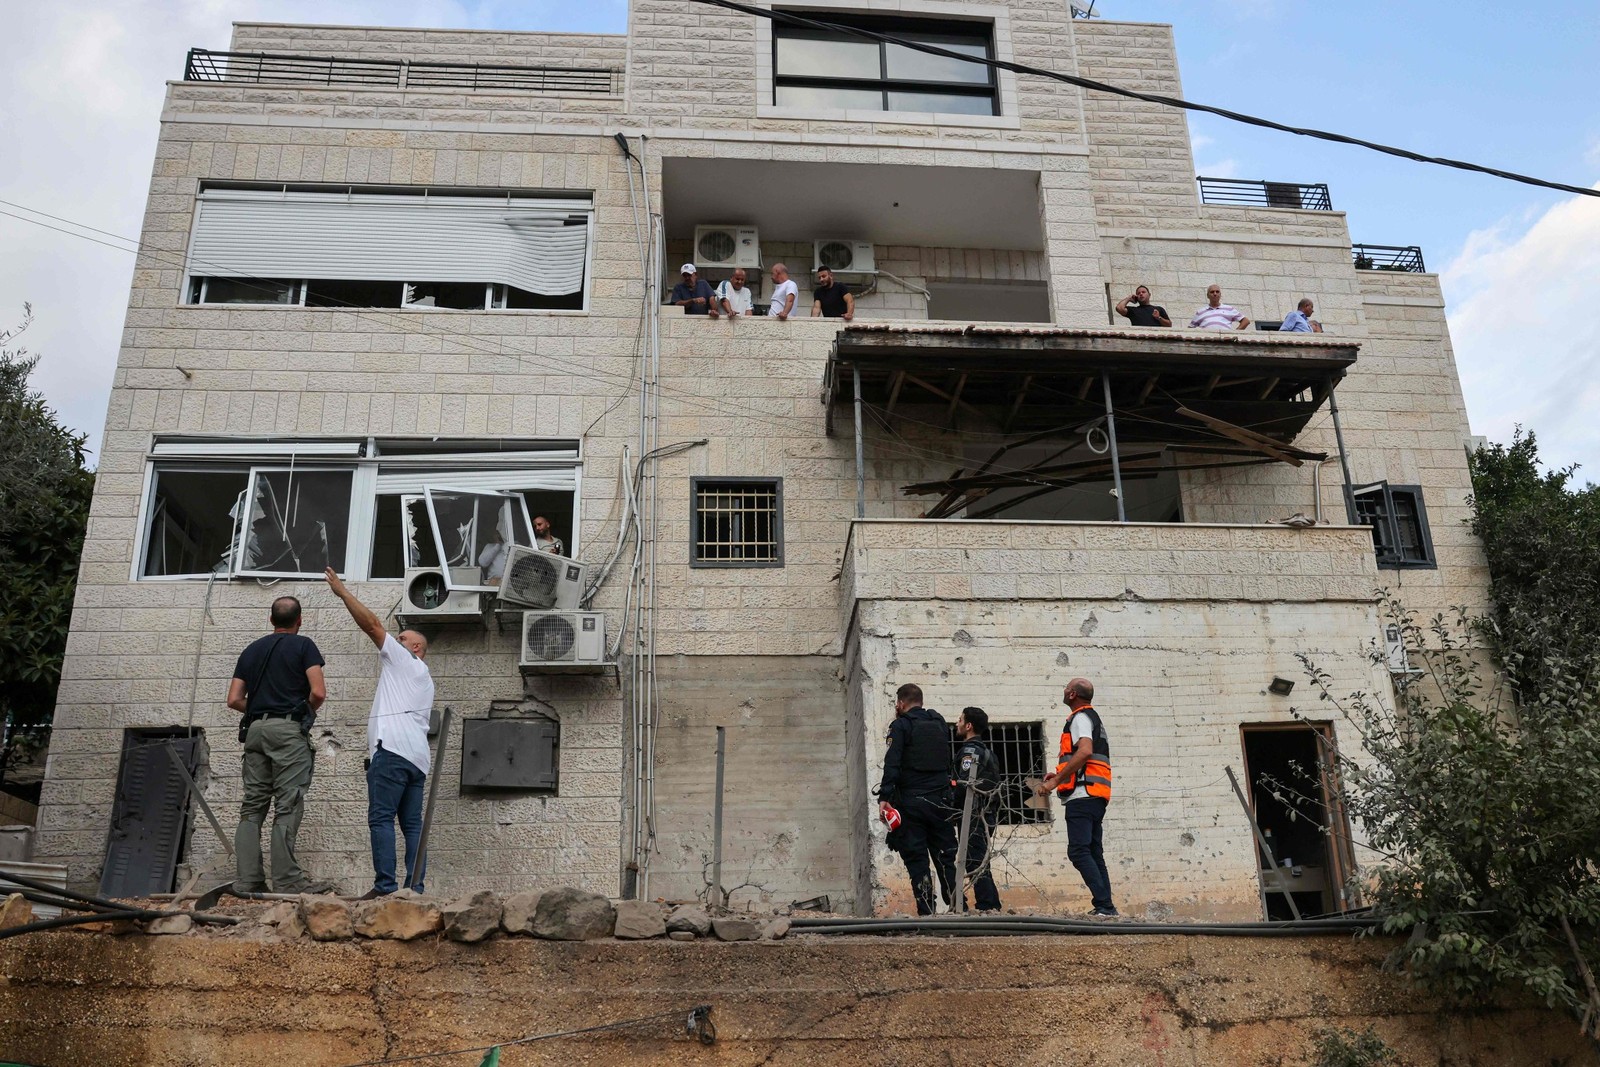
x: 81, y: 999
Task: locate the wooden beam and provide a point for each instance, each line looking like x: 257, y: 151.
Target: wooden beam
x: 1016, y: 405
x: 955, y: 398
x: 1144, y: 393
x: 1259, y: 442
x: 1266, y: 391
x: 895, y: 383
x: 1210, y: 385
x: 1083, y: 390
x: 936, y: 391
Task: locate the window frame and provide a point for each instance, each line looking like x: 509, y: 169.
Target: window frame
x: 507, y: 497
x: 1386, y: 494
x: 237, y: 568
x: 696, y: 482
x: 518, y: 460
x: 884, y: 84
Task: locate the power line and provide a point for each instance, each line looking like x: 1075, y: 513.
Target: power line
x: 1150, y: 98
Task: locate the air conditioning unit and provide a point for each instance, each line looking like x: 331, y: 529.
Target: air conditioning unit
x: 535, y: 579
x: 563, y: 638
x: 727, y: 246
x: 426, y: 592
x: 843, y: 256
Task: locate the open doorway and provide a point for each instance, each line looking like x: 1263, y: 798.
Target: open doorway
x: 1294, y: 796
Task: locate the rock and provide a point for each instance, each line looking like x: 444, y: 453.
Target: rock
x: 16, y: 911
x: 777, y: 929
x: 569, y: 914
x: 692, y: 918
x: 107, y: 926
x: 325, y: 918
x: 736, y: 929
x: 640, y: 919
x: 472, y: 918
x: 170, y: 924
x: 516, y: 916
x: 402, y: 916
x: 681, y: 935
x: 284, y: 919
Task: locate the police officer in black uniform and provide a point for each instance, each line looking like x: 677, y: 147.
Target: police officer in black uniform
x: 916, y: 780
x: 972, y: 730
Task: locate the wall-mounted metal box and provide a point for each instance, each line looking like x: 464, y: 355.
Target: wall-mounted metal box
x: 519, y: 754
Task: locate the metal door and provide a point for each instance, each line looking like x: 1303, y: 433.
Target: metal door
x: 149, y: 815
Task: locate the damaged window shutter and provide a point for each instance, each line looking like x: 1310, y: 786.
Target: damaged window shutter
x: 149, y: 816
x: 539, y: 245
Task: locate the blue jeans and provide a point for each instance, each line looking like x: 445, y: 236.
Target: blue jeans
x: 394, y: 790
x: 1084, y: 816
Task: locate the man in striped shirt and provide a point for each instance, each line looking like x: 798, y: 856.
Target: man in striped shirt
x: 1219, y: 316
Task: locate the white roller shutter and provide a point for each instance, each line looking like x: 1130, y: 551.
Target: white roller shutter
x: 540, y: 245
x: 413, y: 482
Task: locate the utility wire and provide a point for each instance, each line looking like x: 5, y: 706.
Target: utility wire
x: 1151, y: 98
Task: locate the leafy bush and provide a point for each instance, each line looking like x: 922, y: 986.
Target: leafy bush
x: 1342, y: 1047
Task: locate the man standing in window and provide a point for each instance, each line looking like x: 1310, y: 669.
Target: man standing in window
x: 1082, y: 778
x: 916, y: 782
x: 831, y: 299
x: 544, y: 539
x: 693, y: 293
x: 397, y: 743
x: 277, y: 686
x: 972, y: 730
x: 785, y: 293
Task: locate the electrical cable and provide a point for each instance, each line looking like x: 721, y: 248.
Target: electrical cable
x: 1149, y: 98
x: 697, y: 1016
x: 1000, y: 925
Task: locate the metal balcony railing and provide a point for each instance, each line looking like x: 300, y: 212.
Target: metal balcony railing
x: 204, y: 65
x: 1237, y: 192
x: 1388, y: 257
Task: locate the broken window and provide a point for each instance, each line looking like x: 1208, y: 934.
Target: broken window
x: 461, y: 296
x: 1019, y: 749
x: 1399, y: 524
x: 471, y: 530
x: 297, y: 522
x: 189, y: 532
x: 244, y: 291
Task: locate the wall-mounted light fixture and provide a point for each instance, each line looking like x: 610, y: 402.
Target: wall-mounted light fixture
x: 1281, y: 686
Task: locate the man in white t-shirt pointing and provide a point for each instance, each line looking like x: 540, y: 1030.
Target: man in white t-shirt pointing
x: 397, y: 743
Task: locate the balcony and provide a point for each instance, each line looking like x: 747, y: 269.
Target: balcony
x: 1403, y: 258
x: 1236, y: 192
x: 204, y: 65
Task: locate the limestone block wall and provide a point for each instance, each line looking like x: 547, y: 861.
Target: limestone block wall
x: 1178, y: 664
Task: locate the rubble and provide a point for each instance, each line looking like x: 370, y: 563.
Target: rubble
x: 473, y: 918
x: 16, y: 911
x: 402, y: 916
x: 638, y: 920
x: 517, y: 912
x: 736, y: 929
x: 691, y: 918
x: 326, y: 918
x: 170, y: 924
x: 573, y: 915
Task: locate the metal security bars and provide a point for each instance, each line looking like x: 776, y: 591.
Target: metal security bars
x: 1236, y: 192
x: 204, y: 65
x: 737, y: 522
x: 1406, y: 258
x: 1019, y: 748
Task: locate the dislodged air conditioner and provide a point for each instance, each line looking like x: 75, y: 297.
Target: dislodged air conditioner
x: 427, y: 593
x: 843, y: 256
x: 535, y: 579
x: 563, y: 639
x: 727, y: 246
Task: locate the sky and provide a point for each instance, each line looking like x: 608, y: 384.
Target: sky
x: 81, y: 92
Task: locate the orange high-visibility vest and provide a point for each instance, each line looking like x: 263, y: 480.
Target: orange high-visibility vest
x: 1095, y: 776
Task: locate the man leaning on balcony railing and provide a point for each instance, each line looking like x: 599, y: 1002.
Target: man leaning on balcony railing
x: 1300, y: 320
x: 1219, y: 316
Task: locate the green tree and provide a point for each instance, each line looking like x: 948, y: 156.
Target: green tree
x: 44, y: 507
x: 1542, y: 539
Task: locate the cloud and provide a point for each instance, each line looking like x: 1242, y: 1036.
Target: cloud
x: 1526, y: 335
x: 80, y: 100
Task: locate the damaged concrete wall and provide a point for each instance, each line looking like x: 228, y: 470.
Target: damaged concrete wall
x: 786, y: 824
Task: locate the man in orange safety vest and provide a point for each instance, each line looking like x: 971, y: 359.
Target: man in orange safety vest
x: 1082, y: 779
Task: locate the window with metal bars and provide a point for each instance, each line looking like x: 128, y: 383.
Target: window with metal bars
x: 736, y: 522
x: 1019, y: 748
x: 839, y: 71
x: 1399, y: 524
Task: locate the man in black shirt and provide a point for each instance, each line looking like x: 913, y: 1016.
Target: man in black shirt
x: 831, y: 299
x: 694, y: 293
x: 972, y: 730
x: 277, y: 686
x: 916, y: 781
x: 1138, y: 310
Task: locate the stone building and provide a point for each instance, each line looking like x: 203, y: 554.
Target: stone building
x: 384, y: 265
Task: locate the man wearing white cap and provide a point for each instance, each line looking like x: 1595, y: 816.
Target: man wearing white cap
x: 693, y: 293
